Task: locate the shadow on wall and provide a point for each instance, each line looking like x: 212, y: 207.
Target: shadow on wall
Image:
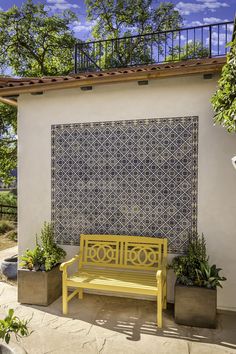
x: 133, y: 318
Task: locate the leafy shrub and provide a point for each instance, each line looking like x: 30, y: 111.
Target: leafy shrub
x: 193, y: 268
x: 46, y: 254
x: 12, y: 324
x: 34, y: 259
x: 184, y: 266
x: 12, y: 235
x: 5, y: 226
x: 8, y: 198
x: 208, y: 276
x: 224, y: 100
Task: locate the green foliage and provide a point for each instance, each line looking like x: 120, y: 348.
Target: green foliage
x: 53, y: 254
x: 208, y: 276
x: 184, y: 266
x: 224, y: 100
x: 8, y: 198
x: 189, y: 51
x: 117, y: 18
x: 34, y: 259
x: 12, y: 235
x: 193, y: 268
x: 12, y: 324
x: 8, y: 143
x: 121, y: 18
x: 46, y: 254
x: 5, y: 226
x: 35, y: 43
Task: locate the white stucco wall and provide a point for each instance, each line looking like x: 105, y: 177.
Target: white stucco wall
x: 172, y: 97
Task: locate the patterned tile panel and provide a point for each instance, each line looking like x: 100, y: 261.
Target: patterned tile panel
x: 136, y: 177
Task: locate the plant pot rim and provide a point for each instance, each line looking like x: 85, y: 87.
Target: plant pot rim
x: 13, y: 348
x: 194, y: 287
x: 39, y: 271
x: 11, y: 259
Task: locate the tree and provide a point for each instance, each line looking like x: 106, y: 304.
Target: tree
x: 8, y: 143
x: 118, y: 18
x: 33, y: 43
x: 188, y: 51
x: 124, y: 18
x: 224, y: 100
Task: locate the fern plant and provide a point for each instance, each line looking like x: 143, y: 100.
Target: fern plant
x: 46, y: 255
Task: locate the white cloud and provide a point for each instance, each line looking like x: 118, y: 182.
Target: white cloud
x: 61, y: 5
x: 187, y: 8
x: 207, y: 21
x: 210, y: 20
x: 193, y: 23
x: 82, y: 27
x: 215, y: 38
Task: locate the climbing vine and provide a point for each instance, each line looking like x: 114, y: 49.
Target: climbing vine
x: 224, y: 99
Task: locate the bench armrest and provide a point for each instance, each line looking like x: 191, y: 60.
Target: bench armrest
x: 159, y: 275
x: 65, y: 265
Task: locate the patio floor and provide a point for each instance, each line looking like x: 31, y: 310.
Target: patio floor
x: 104, y: 324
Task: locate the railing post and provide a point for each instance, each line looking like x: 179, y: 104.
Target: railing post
x: 210, y: 39
x: 76, y: 58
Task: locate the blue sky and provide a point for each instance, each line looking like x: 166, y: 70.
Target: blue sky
x: 194, y: 12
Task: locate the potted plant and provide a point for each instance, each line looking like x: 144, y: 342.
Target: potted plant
x: 39, y: 279
x: 196, y: 286
x: 12, y: 324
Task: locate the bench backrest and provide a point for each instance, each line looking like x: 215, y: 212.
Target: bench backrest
x: 133, y: 252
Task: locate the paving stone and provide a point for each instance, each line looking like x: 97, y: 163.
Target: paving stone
x: 101, y: 324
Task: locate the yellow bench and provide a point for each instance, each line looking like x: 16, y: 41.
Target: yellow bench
x: 124, y: 264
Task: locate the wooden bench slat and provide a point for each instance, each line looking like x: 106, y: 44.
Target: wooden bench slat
x: 113, y: 278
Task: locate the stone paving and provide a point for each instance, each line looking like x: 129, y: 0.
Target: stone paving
x: 101, y: 324
x: 107, y: 325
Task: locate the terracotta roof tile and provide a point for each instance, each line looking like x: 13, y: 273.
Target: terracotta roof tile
x: 19, y: 85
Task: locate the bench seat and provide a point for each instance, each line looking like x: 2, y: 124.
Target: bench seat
x: 114, y: 280
x: 118, y: 264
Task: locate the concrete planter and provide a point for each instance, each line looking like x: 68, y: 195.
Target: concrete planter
x: 39, y: 288
x: 195, y: 306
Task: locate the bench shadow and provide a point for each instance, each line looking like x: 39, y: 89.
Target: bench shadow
x: 133, y: 318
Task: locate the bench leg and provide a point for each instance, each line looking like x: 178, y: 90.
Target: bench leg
x: 159, y: 308
x: 165, y: 296
x: 64, y: 299
x: 80, y: 294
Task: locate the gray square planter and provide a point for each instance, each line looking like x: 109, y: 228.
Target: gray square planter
x: 39, y: 288
x: 195, y: 306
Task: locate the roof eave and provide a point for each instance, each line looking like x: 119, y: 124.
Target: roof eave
x: 132, y: 74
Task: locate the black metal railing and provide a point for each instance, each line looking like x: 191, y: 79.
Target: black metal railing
x: 181, y: 44
x: 8, y: 212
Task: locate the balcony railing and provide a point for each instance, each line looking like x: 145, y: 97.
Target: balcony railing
x: 181, y: 44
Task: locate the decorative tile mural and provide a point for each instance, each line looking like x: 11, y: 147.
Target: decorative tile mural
x: 136, y: 177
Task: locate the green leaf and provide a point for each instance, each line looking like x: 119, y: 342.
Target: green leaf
x: 7, y: 338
